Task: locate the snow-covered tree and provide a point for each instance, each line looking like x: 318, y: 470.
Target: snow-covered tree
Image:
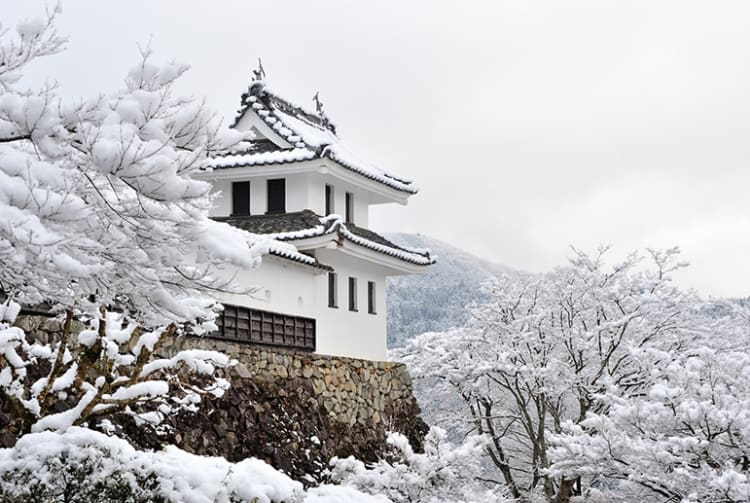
x: 684, y: 437
x: 540, y: 357
x: 99, y: 207
x: 443, y: 473
x: 98, y: 198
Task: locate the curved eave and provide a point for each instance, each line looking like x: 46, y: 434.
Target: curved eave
x: 396, y: 266
x: 322, y: 166
x: 316, y: 267
x: 398, y: 260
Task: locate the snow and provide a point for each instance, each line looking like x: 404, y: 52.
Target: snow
x: 64, y: 420
x: 335, y: 224
x: 443, y: 473
x: 198, y: 360
x: 407, y: 256
x: 147, y: 340
x: 180, y: 477
x: 31, y: 28
x: 88, y: 337
x: 9, y: 310
x: 341, y: 494
x: 145, y: 389
x: 274, y: 157
x: 79, y: 179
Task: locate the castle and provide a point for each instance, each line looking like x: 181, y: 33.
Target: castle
x: 323, y: 283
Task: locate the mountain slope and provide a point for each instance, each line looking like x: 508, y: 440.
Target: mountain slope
x: 437, y: 300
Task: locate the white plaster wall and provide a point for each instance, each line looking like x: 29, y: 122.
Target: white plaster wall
x: 361, y: 210
x: 316, y: 193
x: 317, y: 198
x: 297, y: 290
x: 283, y: 287
x: 297, y: 194
x: 346, y: 333
x: 303, y: 191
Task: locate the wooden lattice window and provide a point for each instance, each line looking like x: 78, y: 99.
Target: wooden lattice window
x: 253, y: 326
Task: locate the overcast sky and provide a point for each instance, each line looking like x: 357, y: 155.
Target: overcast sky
x: 529, y: 126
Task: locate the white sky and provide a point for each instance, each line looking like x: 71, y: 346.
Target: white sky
x: 529, y: 126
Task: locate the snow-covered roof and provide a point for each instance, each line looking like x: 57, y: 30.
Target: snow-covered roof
x: 290, y: 227
x: 290, y: 253
x: 312, y: 136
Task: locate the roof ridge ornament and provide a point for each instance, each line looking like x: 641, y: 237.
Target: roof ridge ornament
x: 318, y: 104
x: 260, y: 73
x: 321, y: 113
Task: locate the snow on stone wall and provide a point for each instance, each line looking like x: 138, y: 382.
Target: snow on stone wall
x: 297, y: 410
x: 294, y: 410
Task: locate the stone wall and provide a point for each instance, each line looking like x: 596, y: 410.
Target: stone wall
x: 297, y: 410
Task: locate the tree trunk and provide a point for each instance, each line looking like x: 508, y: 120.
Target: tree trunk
x: 565, y: 491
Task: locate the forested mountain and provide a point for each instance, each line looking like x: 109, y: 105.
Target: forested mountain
x: 437, y: 300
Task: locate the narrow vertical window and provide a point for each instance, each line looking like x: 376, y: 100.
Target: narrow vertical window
x: 349, y: 207
x: 333, y: 300
x: 371, y: 297
x: 240, y: 198
x: 329, y: 199
x: 352, y: 294
x: 276, y: 195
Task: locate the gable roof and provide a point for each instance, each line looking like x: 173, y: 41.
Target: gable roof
x: 311, y: 136
x: 307, y: 224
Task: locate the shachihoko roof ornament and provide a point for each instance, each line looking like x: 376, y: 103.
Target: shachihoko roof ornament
x: 259, y: 73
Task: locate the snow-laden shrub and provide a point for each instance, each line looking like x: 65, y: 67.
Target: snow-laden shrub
x: 85, y: 466
x: 443, y: 473
x: 109, y: 367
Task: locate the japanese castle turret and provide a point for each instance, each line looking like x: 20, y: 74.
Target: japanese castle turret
x: 323, y: 282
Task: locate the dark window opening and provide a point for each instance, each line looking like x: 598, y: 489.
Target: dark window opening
x: 352, y: 294
x: 333, y: 300
x: 349, y: 207
x: 329, y: 199
x: 371, y: 297
x: 240, y: 198
x: 277, y: 195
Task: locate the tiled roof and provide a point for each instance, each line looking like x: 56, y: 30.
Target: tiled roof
x: 312, y: 135
x: 274, y: 223
x: 298, y: 257
x: 307, y: 224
